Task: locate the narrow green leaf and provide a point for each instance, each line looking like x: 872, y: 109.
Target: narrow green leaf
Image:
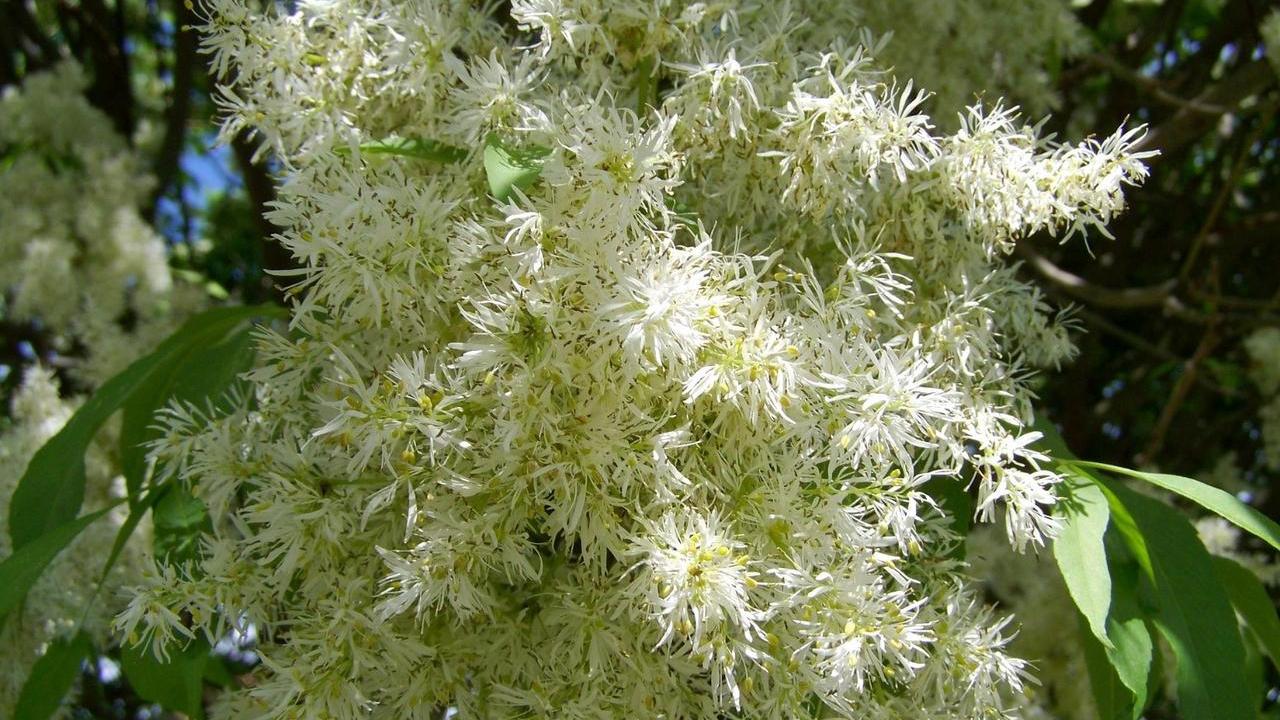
x: 51, y: 489
x: 136, y: 513
x: 1081, y: 555
x: 646, y: 85
x: 950, y: 494
x: 1255, y: 669
x: 177, y: 684
x: 20, y: 570
x: 1251, y: 601
x: 1208, y: 497
x: 197, y: 364
x: 1194, y: 616
x: 51, y: 677
x: 1132, y: 651
x: 1124, y: 524
x: 180, y: 519
x: 1110, y: 697
x: 508, y: 168
x: 420, y: 148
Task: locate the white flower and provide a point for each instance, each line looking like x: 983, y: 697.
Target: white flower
x: 698, y: 580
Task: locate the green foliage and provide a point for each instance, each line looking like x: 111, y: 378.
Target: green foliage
x: 20, y: 571
x: 51, y: 490
x: 956, y: 502
x: 1195, y: 617
x: 1209, y: 497
x: 1132, y: 651
x: 179, y: 520
x: 51, y: 677
x: 1159, y: 575
x: 176, y: 683
x: 1079, y: 552
x: 509, y: 168
x: 1252, y: 604
x: 420, y: 148
x: 197, y: 364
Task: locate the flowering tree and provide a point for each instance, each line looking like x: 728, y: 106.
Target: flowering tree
x: 641, y: 359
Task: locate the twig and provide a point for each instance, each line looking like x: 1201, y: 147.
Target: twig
x: 1220, y: 200
x: 1186, y: 125
x: 1150, y: 85
x: 1080, y: 288
x: 179, y: 109
x: 1179, y: 395
x: 1100, y: 322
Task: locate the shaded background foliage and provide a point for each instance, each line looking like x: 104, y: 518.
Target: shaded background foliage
x: 1161, y: 378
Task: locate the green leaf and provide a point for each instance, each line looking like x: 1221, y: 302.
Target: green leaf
x: 954, y: 500
x: 1251, y: 601
x: 1193, y: 615
x: 177, y: 684
x: 1081, y: 555
x: 420, y: 148
x: 136, y: 513
x: 197, y: 364
x: 1255, y: 669
x: 1111, y: 698
x: 646, y: 85
x: 1132, y: 651
x: 217, y: 673
x: 1123, y: 523
x: 180, y: 518
x: 508, y: 168
x: 20, y: 570
x: 51, y: 489
x: 51, y: 677
x: 1208, y: 497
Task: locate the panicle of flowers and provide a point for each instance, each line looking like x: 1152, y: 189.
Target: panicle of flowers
x: 654, y: 431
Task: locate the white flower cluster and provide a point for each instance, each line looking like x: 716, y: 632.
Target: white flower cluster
x: 75, y: 254
x: 947, y: 45
x: 1030, y: 587
x: 61, y: 602
x: 77, y: 261
x: 654, y: 433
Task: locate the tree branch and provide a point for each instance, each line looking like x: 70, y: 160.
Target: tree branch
x: 261, y: 191
x: 1187, y: 125
x: 1082, y: 289
x: 1179, y: 394
x: 179, y: 108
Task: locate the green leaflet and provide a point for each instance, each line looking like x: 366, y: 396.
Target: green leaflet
x: 420, y: 148
x: 20, y: 570
x: 954, y: 500
x: 52, y: 488
x: 180, y: 518
x: 136, y: 512
x: 1252, y: 603
x: 508, y: 168
x: 1208, y: 497
x: 1131, y: 652
x: 51, y: 677
x: 177, y: 684
x: 1110, y: 697
x: 1080, y: 554
x: 199, y: 363
x: 1193, y: 615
